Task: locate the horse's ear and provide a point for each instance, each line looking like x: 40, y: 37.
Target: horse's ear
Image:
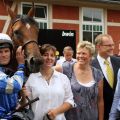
x: 11, y: 13
x: 31, y: 12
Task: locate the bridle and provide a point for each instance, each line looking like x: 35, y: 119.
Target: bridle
x: 28, y: 41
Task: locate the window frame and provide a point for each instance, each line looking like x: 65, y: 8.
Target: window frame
x: 93, y: 23
x: 39, y: 20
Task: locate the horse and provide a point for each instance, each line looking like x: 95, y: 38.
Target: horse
x: 24, y: 32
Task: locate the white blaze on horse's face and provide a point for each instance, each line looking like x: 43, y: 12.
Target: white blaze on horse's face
x: 28, y: 26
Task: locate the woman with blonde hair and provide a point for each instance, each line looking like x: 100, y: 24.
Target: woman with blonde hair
x: 87, y: 86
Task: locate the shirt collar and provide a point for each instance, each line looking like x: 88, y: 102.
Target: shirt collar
x: 64, y: 60
x: 102, y: 59
x: 54, y: 74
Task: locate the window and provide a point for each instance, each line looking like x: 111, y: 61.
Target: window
x: 40, y: 14
x: 92, y: 23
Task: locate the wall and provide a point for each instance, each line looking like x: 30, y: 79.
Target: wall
x: 113, y: 19
x: 67, y: 14
x: 68, y: 18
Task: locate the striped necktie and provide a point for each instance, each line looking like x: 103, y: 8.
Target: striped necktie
x: 109, y: 72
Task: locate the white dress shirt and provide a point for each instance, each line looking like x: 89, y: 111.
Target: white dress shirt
x: 51, y: 95
x: 103, y: 66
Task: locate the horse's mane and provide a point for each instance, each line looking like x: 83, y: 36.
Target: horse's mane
x: 25, y: 19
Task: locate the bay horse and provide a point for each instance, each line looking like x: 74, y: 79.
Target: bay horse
x: 24, y: 32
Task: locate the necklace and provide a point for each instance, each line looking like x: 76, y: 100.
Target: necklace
x: 47, y: 75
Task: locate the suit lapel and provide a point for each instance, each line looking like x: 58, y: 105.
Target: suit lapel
x: 96, y: 63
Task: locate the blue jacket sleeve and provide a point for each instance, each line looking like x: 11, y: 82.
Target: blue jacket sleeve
x: 9, y: 85
x: 114, y: 114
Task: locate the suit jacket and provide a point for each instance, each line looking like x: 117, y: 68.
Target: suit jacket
x: 115, y: 109
x: 108, y: 92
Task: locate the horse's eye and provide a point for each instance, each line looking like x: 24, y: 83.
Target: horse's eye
x: 18, y: 34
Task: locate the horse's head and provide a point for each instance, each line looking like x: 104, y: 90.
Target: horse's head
x: 24, y: 32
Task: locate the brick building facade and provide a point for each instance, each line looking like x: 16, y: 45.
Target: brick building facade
x: 88, y: 18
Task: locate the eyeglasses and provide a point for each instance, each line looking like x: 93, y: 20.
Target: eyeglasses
x: 109, y: 45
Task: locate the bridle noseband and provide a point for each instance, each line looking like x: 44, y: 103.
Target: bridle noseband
x: 29, y: 41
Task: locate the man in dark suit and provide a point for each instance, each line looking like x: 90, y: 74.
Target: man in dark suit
x: 105, y: 46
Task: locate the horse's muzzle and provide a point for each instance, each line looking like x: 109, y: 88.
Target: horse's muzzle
x: 33, y: 64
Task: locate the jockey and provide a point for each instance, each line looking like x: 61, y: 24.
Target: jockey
x: 10, y: 83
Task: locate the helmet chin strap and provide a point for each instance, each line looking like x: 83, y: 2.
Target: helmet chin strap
x: 5, y: 65
x: 7, y: 69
